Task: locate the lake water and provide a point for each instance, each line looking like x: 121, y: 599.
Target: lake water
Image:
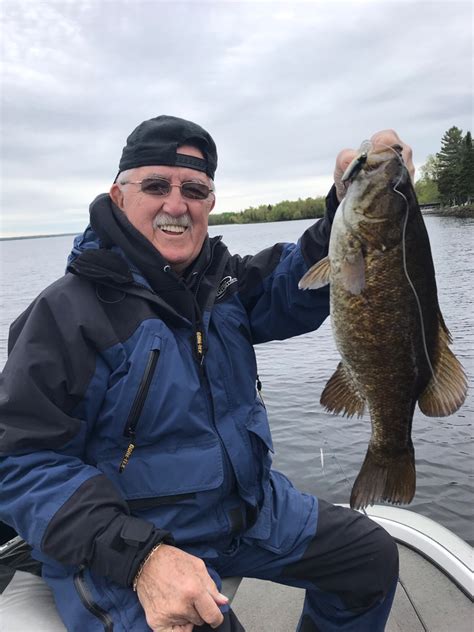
x: 321, y: 453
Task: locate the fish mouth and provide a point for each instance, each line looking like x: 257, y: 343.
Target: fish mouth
x: 369, y: 159
x: 354, y: 167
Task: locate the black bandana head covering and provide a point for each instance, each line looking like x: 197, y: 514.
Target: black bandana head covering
x: 154, y: 142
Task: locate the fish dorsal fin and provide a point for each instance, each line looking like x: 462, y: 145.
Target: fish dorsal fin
x: 447, y: 389
x: 317, y: 276
x: 342, y: 395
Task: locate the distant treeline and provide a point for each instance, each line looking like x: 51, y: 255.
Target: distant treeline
x: 283, y: 211
x: 448, y: 176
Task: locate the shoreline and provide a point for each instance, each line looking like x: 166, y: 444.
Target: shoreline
x: 466, y: 212
x: 37, y: 236
x: 451, y: 211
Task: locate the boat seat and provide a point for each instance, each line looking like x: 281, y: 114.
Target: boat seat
x: 6, y: 533
x: 16, y: 554
x: 18, y: 551
x: 230, y: 586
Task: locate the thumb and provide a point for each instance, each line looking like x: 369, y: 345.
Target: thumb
x: 343, y: 160
x: 220, y: 599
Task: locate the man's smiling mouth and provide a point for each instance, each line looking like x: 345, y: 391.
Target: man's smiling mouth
x: 173, y: 228
x: 172, y: 225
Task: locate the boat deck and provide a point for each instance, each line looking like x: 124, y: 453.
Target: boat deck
x: 425, y: 600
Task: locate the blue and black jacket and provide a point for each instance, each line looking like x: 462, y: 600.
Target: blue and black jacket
x: 129, y: 411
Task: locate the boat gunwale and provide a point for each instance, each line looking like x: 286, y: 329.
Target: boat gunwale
x: 437, y: 544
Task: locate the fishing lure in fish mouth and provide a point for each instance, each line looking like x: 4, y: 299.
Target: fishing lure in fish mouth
x: 357, y: 163
x: 354, y: 167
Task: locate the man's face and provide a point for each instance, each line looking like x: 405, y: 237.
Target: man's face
x: 175, y: 225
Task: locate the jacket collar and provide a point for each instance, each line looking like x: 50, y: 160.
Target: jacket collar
x: 114, y: 253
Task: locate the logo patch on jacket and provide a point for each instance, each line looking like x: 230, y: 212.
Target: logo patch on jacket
x: 223, y: 285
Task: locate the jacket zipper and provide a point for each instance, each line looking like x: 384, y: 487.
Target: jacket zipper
x: 137, y: 406
x: 201, y: 351
x: 199, y: 333
x: 88, y: 602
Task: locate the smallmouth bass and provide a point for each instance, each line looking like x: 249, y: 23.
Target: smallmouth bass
x: 387, y: 323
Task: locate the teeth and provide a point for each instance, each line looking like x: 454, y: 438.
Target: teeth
x: 172, y: 228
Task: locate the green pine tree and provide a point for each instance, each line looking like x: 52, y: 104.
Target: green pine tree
x: 466, y: 178
x: 449, y: 166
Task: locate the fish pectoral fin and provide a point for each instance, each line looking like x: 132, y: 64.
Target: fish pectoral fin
x: 342, y: 395
x: 447, y: 388
x: 317, y: 276
x: 352, y: 272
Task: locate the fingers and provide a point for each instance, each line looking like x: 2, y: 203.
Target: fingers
x: 220, y: 599
x: 204, y: 610
x: 384, y: 138
x: 187, y: 627
x: 175, y: 588
x: 208, y: 610
x: 390, y: 137
x: 343, y: 160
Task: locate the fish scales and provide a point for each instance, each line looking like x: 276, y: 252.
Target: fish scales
x: 387, y: 324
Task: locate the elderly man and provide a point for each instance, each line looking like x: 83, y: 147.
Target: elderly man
x: 135, y: 446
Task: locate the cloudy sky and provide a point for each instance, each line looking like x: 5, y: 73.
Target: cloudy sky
x: 281, y: 86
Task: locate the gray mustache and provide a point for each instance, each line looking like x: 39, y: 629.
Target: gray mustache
x: 164, y: 218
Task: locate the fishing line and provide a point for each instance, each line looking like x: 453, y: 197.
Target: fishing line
x: 362, y: 510
x: 399, y: 579
x: 404, y: 257
x: 413, y: 605
x: 333, y: 454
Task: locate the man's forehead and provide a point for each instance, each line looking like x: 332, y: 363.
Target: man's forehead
x: 168, y: 171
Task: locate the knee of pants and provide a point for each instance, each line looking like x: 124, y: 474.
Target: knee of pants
x: 374, y: 577
x: 385, y: 560
x: 350, y: 557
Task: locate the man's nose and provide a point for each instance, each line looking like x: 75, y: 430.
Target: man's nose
x: 174, y: 203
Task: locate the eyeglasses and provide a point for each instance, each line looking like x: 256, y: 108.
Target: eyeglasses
x: 162, y: 187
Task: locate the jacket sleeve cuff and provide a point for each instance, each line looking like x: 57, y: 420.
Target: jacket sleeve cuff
x: 315, y: 240
x: 128, y: 541
x: 142, y: 550
x: 332, y: 202
x: 94, y: 528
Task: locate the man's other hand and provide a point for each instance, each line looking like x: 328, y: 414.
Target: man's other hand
x: 177, y: 592
x: 385, y: 137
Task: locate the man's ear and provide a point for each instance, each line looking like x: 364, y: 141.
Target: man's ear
x: 213, y: 203
x: 116, y: 195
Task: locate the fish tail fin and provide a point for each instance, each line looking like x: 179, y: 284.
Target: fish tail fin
x: 385, y: 479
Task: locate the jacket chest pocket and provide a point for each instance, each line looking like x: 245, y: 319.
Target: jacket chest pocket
x: 142, y: 392
x: 164, y: 475
x: 139, y: 400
